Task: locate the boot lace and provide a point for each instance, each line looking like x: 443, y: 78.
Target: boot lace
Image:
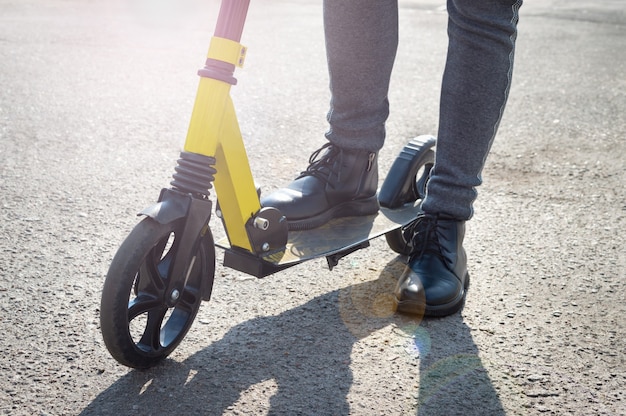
x: 322, y: 164
x: 421, y: 235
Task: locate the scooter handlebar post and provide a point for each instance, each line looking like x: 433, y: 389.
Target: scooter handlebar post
x: 231, y: 19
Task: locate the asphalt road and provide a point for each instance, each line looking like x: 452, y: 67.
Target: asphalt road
x: 94, y: 104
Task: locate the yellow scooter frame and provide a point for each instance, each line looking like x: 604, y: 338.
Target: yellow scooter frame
x: 214, y: 131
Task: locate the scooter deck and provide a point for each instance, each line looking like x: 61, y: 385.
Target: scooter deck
x: 333, y: 240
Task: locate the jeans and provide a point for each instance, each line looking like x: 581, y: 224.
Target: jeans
x: 361, y: 43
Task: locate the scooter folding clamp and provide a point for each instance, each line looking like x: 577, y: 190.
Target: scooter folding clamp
x: 227, y: 50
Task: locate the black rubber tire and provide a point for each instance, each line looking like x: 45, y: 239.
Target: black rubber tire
x: 397, y: 243
x: 138, y: 327
x: 395, y: 239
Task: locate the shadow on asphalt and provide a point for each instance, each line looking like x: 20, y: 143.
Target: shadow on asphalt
x: 304, y: 356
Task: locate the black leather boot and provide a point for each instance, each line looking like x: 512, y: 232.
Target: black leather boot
x: 338, y: 183
x: 436, y: 279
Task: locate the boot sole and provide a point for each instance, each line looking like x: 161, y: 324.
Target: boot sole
x: 416, y: 308
x: 357, y: 208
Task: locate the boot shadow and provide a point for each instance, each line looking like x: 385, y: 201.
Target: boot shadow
x: 453, y: 378
x: 301, y: 359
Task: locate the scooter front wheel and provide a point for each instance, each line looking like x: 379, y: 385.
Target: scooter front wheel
x: 139, y: 327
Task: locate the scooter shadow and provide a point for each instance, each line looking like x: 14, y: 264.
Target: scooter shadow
x: 304, y: 356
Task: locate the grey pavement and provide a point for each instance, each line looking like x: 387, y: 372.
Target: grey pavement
x: 94, y: 104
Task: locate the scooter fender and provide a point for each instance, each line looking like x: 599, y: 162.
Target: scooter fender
x: 401, y: 184
x: 171, y: 206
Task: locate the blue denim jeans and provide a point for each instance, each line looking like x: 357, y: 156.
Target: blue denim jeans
x: 361, y: 43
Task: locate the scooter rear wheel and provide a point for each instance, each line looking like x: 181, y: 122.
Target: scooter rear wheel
x: 408, y: 184
x: 138, y: 325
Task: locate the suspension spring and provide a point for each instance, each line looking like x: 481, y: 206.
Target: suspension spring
x: 194, y: 174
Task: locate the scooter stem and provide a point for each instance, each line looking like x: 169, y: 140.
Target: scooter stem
x: 231, y: 19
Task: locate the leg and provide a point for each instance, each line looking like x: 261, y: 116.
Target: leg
x: 474, y: 92
x: 342, y: 178
x: 475, y: 88
x: 361, y: 44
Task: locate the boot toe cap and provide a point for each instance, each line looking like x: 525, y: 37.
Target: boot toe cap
x: 293, y: 204
x: 428, y: 284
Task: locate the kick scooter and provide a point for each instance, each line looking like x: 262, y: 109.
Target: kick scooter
x: 165, y: 267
